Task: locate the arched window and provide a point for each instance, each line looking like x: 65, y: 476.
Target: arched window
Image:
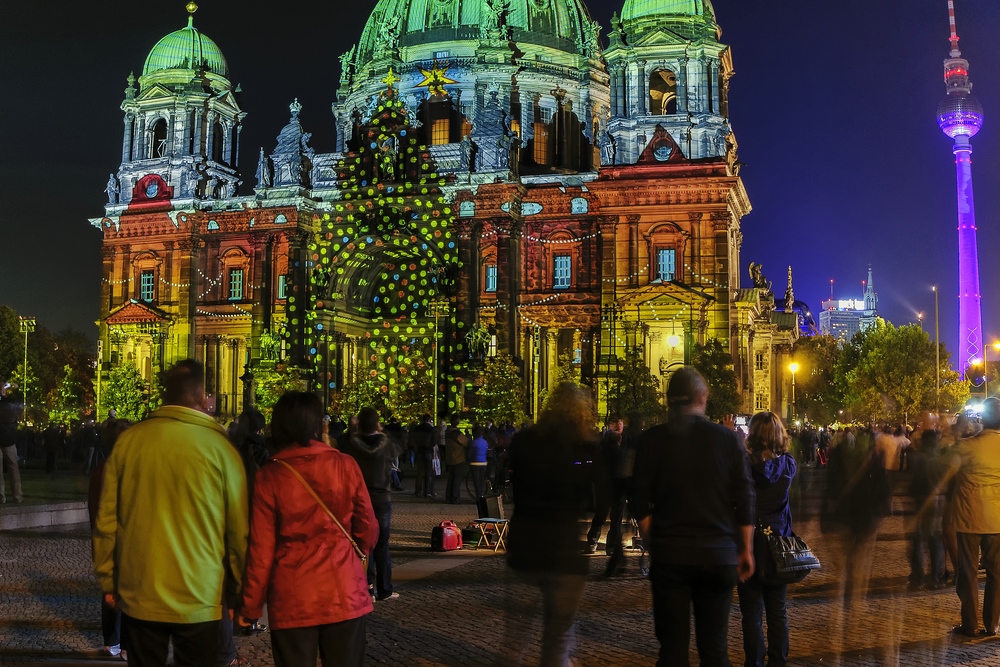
x: 218, y: 143
x: 663, y: 92
x: 159, y: 147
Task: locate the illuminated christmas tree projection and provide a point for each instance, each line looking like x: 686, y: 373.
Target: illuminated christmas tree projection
x: 386, y: 258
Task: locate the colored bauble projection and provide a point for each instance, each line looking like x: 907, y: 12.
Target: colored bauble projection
x: 387, y: 256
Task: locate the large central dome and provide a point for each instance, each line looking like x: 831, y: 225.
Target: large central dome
x: 636, y: 9
x: 559, y: 24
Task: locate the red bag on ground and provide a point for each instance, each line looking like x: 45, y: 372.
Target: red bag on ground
x: 446, y: 537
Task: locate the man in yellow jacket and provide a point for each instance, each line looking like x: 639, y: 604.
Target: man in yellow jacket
x: 974, y: 514
x: 171, y: 533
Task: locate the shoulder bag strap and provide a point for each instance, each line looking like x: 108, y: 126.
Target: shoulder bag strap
x: 326, y: 509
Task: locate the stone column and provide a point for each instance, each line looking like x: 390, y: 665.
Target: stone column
x: 614, y: 87
x: 713, y: 94
x: 682, y: 92
x: 127, y: 138
x: 108, y: 273
x: 196, y: 148
x: 643, y: 87
x: 551, y: 357
x: 141, y: 144
x: 210, y: 138
x: 633, y: 252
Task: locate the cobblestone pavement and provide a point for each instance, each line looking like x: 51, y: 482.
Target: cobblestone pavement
x: 451, y: 606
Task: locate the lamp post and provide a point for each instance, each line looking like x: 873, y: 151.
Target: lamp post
x: 920, y: 320
x: 937, y: 355
x: 793, y: 367
x: 27, y: 326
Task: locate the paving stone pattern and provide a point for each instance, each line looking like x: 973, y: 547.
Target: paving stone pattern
x: 49, y: 607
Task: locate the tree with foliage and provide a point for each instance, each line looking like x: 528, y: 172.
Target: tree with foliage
x: 888, y: 373
x: 364, y: 391
x: 634, y: 389
x: 125, y: 391
x: 501, y: 397
x: 566, y: 371
x: 28, y: 390
x: 716, y: 366
x: 270, y: 383
x: 415, y: 395
x: 66, y: 401
x: 816, y: 392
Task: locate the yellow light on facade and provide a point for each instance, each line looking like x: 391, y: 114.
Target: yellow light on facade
x: 793, y: 367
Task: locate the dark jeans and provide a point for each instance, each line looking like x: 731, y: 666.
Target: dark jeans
x: 425, y: 475
x: 709, y: 589
x: 456, y: 476
x: 379, y: 561
x: 610, y: 500
x: 338, y: 645
x: 111, y: 625
x: 967, y: 579
x: 227, y: 645
x: 195, y: 644
x: 478, y: 474
x: 927, y: 531
x: 757, y: 599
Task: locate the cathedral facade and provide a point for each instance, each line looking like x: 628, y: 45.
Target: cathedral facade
x: 503, y: 181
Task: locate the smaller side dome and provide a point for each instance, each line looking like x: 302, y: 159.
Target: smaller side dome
x: 639, y: 9
x: 186, y: 48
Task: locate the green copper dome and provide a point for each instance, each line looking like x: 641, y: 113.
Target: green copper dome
x: 559, y: 24
x: 186, y: 49
x: 638, y: 9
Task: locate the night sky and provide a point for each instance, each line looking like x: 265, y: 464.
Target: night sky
x: 833, y: 105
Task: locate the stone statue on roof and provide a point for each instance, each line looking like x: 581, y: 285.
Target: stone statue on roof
x: 112, y: 189
x: 760, y: 281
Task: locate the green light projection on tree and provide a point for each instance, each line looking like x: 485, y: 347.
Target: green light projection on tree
x: 387, y: 252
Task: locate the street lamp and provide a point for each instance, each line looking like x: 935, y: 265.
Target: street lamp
x: 27, y: 326
x: 793, y: 367
x: 937, y: 355
x: 920, y: 320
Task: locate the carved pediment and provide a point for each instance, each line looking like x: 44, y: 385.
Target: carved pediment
x: 658, y: 37
x: 135, y: 312
x: 156, y: 91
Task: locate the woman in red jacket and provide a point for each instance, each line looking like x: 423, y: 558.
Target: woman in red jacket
x: 300, y: 560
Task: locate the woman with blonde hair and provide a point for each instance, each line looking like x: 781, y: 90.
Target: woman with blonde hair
x: 772, y: 468
x: 545, y: 546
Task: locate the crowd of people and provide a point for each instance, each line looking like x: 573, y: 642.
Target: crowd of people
x: 196, y: 528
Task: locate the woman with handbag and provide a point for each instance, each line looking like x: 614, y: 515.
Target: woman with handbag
x: 772, y: 468
x: 311, y: 525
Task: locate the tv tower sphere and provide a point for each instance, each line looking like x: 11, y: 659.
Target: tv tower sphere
x: 960, y: 114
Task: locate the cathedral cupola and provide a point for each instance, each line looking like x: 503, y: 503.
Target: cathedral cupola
x: 182, y: 122
x: 669, y: 70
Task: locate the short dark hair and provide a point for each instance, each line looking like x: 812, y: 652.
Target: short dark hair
x: 184, y: 383
x: 297, y: 419
x: 425, y: 418
x: 990, y: 413
x: 368, y: 420
x: 456, y: 419
x: 687, y: 386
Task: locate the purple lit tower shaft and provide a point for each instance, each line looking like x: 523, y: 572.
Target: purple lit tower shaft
x: 960, y: 116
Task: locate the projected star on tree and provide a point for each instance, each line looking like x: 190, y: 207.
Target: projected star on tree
x: 390, y: 79
x: 435, y: 79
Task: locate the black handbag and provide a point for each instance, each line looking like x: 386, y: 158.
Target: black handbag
x: 783, y: 560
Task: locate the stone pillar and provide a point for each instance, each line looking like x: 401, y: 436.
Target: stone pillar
x: 235, y: 160
x: 633, y: 252
x: 196, y: 148
x: 140, y: 145
x: 614, y: 88
x: 260, y: 281
x: 210, y: 138
x: 551, y: 357
x: 715, y: 86
x: 124, y: 276
x: 107, y: 285
x: 643, y: 87
x: 682, y: 92
x: 127, y: 139
x: 623, y: 91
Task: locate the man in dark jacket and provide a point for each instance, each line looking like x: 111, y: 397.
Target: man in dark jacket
x: 8, y: 443
x: 375, y: 451
x: 693, y: 498
x: 422, y: 442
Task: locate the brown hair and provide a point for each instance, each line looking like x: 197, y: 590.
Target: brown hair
x: 569, y: 410
x: 297, y: 418
x: 767, y: 433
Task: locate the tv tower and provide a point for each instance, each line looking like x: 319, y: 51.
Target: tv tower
x: 960, y: 115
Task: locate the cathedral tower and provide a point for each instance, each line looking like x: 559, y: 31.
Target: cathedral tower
x: 960, y: 115
x: 668, y: 69
x: 182, y: 124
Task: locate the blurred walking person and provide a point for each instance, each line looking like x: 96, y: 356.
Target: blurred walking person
x: 694, y: 502
x: 309, y: 503
x: 422, y: 442
x: 545, y: 546
x: 772, y: 468
x: 456, y: 447
x: 974, y: 515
